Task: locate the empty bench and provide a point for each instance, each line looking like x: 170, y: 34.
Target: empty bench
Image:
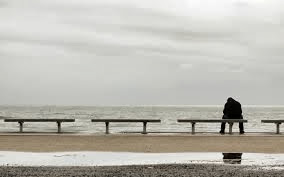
x: 22, y: 121
x: 144, y: 121
x: 276, y: 122
x: 194, y: 121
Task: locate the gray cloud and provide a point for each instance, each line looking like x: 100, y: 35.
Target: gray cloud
x: 141, y: 52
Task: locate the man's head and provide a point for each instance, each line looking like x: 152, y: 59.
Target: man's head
x: 230, y: 99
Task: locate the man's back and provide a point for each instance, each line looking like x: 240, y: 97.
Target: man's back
x: 233, y: 109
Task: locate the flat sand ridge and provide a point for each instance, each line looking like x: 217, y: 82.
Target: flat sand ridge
x: 172, y: 170
x: 142, y: 143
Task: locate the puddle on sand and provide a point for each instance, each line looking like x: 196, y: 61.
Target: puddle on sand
x: 93, y: 158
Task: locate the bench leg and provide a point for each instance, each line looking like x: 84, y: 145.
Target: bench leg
x: 58, y: 127
x: 231, y: 128
x: 107, y: 127
x: 144, y: 128
x: 21, y: 126
x: 193, y: 128
x: 277, y: 128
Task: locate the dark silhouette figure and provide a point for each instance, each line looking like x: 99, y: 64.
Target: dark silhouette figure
x: 232, y: 110
x: 232, y: 158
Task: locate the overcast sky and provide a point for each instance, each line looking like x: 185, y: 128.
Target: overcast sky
x: 141, y: 52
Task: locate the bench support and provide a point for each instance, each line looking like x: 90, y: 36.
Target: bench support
x: 231, y: 128
x: 144, y: 128
x: 58, y: 127
x: 107, y: 127
x: 21, y: 127
x: 193, y: 127
x: 277, y: 128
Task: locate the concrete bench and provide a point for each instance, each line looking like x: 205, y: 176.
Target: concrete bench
x: 194, y: 121
x: 276, y: 122
x: 144, y: 121
x: 21, y: 122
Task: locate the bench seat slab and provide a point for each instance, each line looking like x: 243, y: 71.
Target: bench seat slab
x: 144, y: 121
x: 194, y: 121
x: 276, y: 122
x: 21, y: 122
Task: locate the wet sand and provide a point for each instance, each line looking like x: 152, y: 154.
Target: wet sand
x: 142, y: 143
x: 190, y: 170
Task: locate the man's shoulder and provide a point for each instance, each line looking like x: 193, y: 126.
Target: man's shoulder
x: 238, y: 103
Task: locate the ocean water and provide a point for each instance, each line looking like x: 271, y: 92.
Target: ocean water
x: 167, y: 114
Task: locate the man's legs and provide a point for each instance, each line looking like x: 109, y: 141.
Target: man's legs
x: 241, y: 126
x: 223, y: 125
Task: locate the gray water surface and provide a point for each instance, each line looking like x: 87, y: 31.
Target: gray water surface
x: 167, y: 114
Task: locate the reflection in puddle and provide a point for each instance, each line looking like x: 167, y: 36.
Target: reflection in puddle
x: 232, y: 158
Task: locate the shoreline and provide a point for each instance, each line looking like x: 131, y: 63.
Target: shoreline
x: 94, y: 158
x: 41, y: 142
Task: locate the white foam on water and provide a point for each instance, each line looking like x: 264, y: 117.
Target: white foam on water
x: 88, y: 158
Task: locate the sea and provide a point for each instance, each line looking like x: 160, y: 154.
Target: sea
x: 167, y: 114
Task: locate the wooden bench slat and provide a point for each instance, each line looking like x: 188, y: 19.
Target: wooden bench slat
x: 38, y: 120
x: 272, y: 121
x: 126, y: 120
x: 212, y: 120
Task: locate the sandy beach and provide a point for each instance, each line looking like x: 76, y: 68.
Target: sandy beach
x: 260, y: 143
x: 151, y: 143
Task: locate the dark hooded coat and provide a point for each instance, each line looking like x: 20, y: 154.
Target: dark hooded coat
x: 232, y: 109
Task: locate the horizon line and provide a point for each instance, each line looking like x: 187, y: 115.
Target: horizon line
x: 138, y: 105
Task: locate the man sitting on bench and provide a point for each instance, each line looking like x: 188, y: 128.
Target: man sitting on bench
x: 232, y: 110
